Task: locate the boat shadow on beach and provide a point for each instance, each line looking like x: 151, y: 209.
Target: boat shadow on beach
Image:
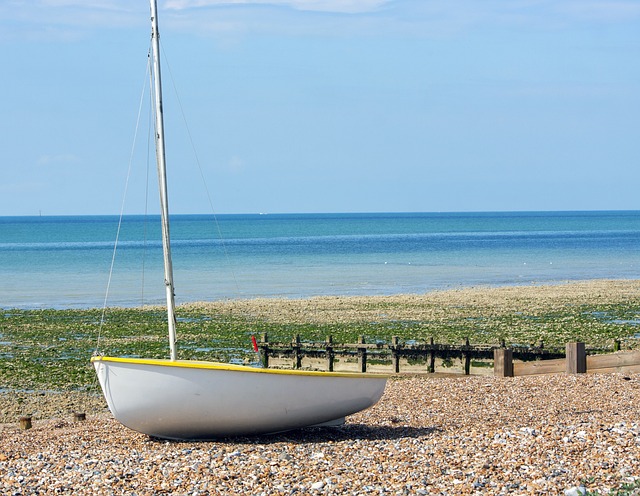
x: 310, y: 435
x: 350, y: 432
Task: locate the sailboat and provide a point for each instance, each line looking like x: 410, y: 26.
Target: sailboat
x: 187, y: 399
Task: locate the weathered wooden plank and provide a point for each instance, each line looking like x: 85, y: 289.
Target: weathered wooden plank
x: 362, y: 359
x: 556, y: 366
x: 329, y: 353
x: 25, y: 423
x: 576, y: 360
x: 628, y: 369
x: 613, y: 360
x: 503, y: 362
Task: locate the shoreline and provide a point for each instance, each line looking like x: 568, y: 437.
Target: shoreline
x: 597, y: 312
x: 593, y: 288
x: 486, y: 312
x: 445, y: 291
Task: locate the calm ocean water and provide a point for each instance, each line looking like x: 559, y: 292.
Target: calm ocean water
x: 63, y: 262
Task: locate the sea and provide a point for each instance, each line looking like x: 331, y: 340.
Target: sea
x: 70, y: 261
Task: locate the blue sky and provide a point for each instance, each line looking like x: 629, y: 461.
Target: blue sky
x: 323, y: 105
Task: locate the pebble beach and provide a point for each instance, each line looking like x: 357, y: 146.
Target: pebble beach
x: 428, y: 435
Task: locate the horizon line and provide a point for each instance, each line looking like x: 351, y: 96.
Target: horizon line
x: 372, y: 212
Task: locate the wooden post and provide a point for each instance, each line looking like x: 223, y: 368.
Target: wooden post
x: 297, y: 356
x: 576, y: 362
x: 329, y: 353
x: 466, y: 357
x: 503, y: 362
x: 362, y: 356
x: 25, y: 423
x: 432, y: 358
x: 616, y: 345
x: 264, y: 350
x: 395, y: 358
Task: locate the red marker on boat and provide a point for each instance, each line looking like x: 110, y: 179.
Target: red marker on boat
x: 256, y: 349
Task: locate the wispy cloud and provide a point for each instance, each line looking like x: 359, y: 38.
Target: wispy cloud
x: 56, y: 160
x: 22, y: 187
x: 600, y: 11
x: 88, y: 4
x: 65, y: 20
x: 71, y: 19
x: 236, y: 165
x: 341, y: 6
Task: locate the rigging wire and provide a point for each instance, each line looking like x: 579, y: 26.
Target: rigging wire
x: 202, y: 176
x: 120, y: 218
x: 146, y: 183
x: 126, y: 187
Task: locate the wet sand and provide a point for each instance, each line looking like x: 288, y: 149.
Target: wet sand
x: 433, y: 306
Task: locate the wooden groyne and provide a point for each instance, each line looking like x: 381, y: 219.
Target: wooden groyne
x: 395, y: 357
x: 430, y: 357
x: 575, y: 361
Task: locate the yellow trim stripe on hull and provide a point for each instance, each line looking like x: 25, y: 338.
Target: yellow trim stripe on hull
x: 195, y: 364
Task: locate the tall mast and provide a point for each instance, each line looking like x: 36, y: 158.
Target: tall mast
x: 162, y: 181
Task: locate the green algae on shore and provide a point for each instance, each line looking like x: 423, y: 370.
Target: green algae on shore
x: 50, y: 349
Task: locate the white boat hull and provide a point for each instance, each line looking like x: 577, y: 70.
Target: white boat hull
x: 205, y: 400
